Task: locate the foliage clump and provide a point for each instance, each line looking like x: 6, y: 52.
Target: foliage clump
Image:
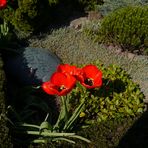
x: 119, y: 97
x: 126, y: 27
x: 112, y: 5
x: 28, y: 16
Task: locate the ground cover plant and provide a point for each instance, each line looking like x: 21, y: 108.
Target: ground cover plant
x: 111, y: 5
x: 25, y: 17
x: 125, y: 27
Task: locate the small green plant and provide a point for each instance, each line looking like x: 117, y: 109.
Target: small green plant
x: 91, y: 29
x: 28, y: 16
x: 118, y: 98
x: 126, y: 27
x: 3, y: 29
x: 112, y: 5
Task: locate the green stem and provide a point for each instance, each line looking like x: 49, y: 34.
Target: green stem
x: 48, y: 134
x: 29, y: 125
x: 64, y: 105
x: 63, y: 116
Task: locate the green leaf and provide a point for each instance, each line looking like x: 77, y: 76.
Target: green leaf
x: 45, y: 125
x: 64, y: 139
x: 28, y: 125
x: 63, y: 116
x: 49, y: 134
x: 81, y: 138
x: 69, y: 125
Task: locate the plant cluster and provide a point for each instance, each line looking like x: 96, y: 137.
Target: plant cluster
x: 112, y: 5
x: 61, y: 83
x: 118, y: 98
x: 27, y: 16
x: 126, y: 27
x: 91, y: 29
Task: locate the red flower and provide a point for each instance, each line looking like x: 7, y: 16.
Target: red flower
x: 3, y: 4
x: 60, y: 84
x: 72, y: 70
x: 92, y: 77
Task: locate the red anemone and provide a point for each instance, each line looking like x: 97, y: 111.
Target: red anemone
x: 92, y: 77
x: 60, y: 84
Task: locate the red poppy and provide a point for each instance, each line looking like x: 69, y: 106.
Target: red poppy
x: 92, y: 77
x: 60, y: 84
x: 72, y: 70
x: 3, y: 4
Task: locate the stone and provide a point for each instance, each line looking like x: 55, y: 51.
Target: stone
x: 32, y: 66
x: 131, y: 55
x: 78, y: 23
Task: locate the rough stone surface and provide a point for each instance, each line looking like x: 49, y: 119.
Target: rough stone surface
x: 33, y: 66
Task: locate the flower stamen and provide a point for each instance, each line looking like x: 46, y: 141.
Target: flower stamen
x: 61, y: 88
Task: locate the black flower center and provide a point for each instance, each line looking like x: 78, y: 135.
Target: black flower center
x: 60, y: 88
x: 89, y: 82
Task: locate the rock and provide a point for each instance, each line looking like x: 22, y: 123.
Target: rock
x: 131, y: 55
x: 32, y: 66
x: 78, y: 23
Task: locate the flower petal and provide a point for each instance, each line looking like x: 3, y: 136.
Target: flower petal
x: 66, y: 68
x: 58, y: 78
x: 92, y: 77
x: 49, y: 88
x: 90, y: 71
x: 59, y: 84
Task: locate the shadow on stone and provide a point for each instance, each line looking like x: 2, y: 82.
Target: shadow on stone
x: 137, y: 135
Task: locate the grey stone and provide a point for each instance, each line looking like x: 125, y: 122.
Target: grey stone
x: 32, y: 66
